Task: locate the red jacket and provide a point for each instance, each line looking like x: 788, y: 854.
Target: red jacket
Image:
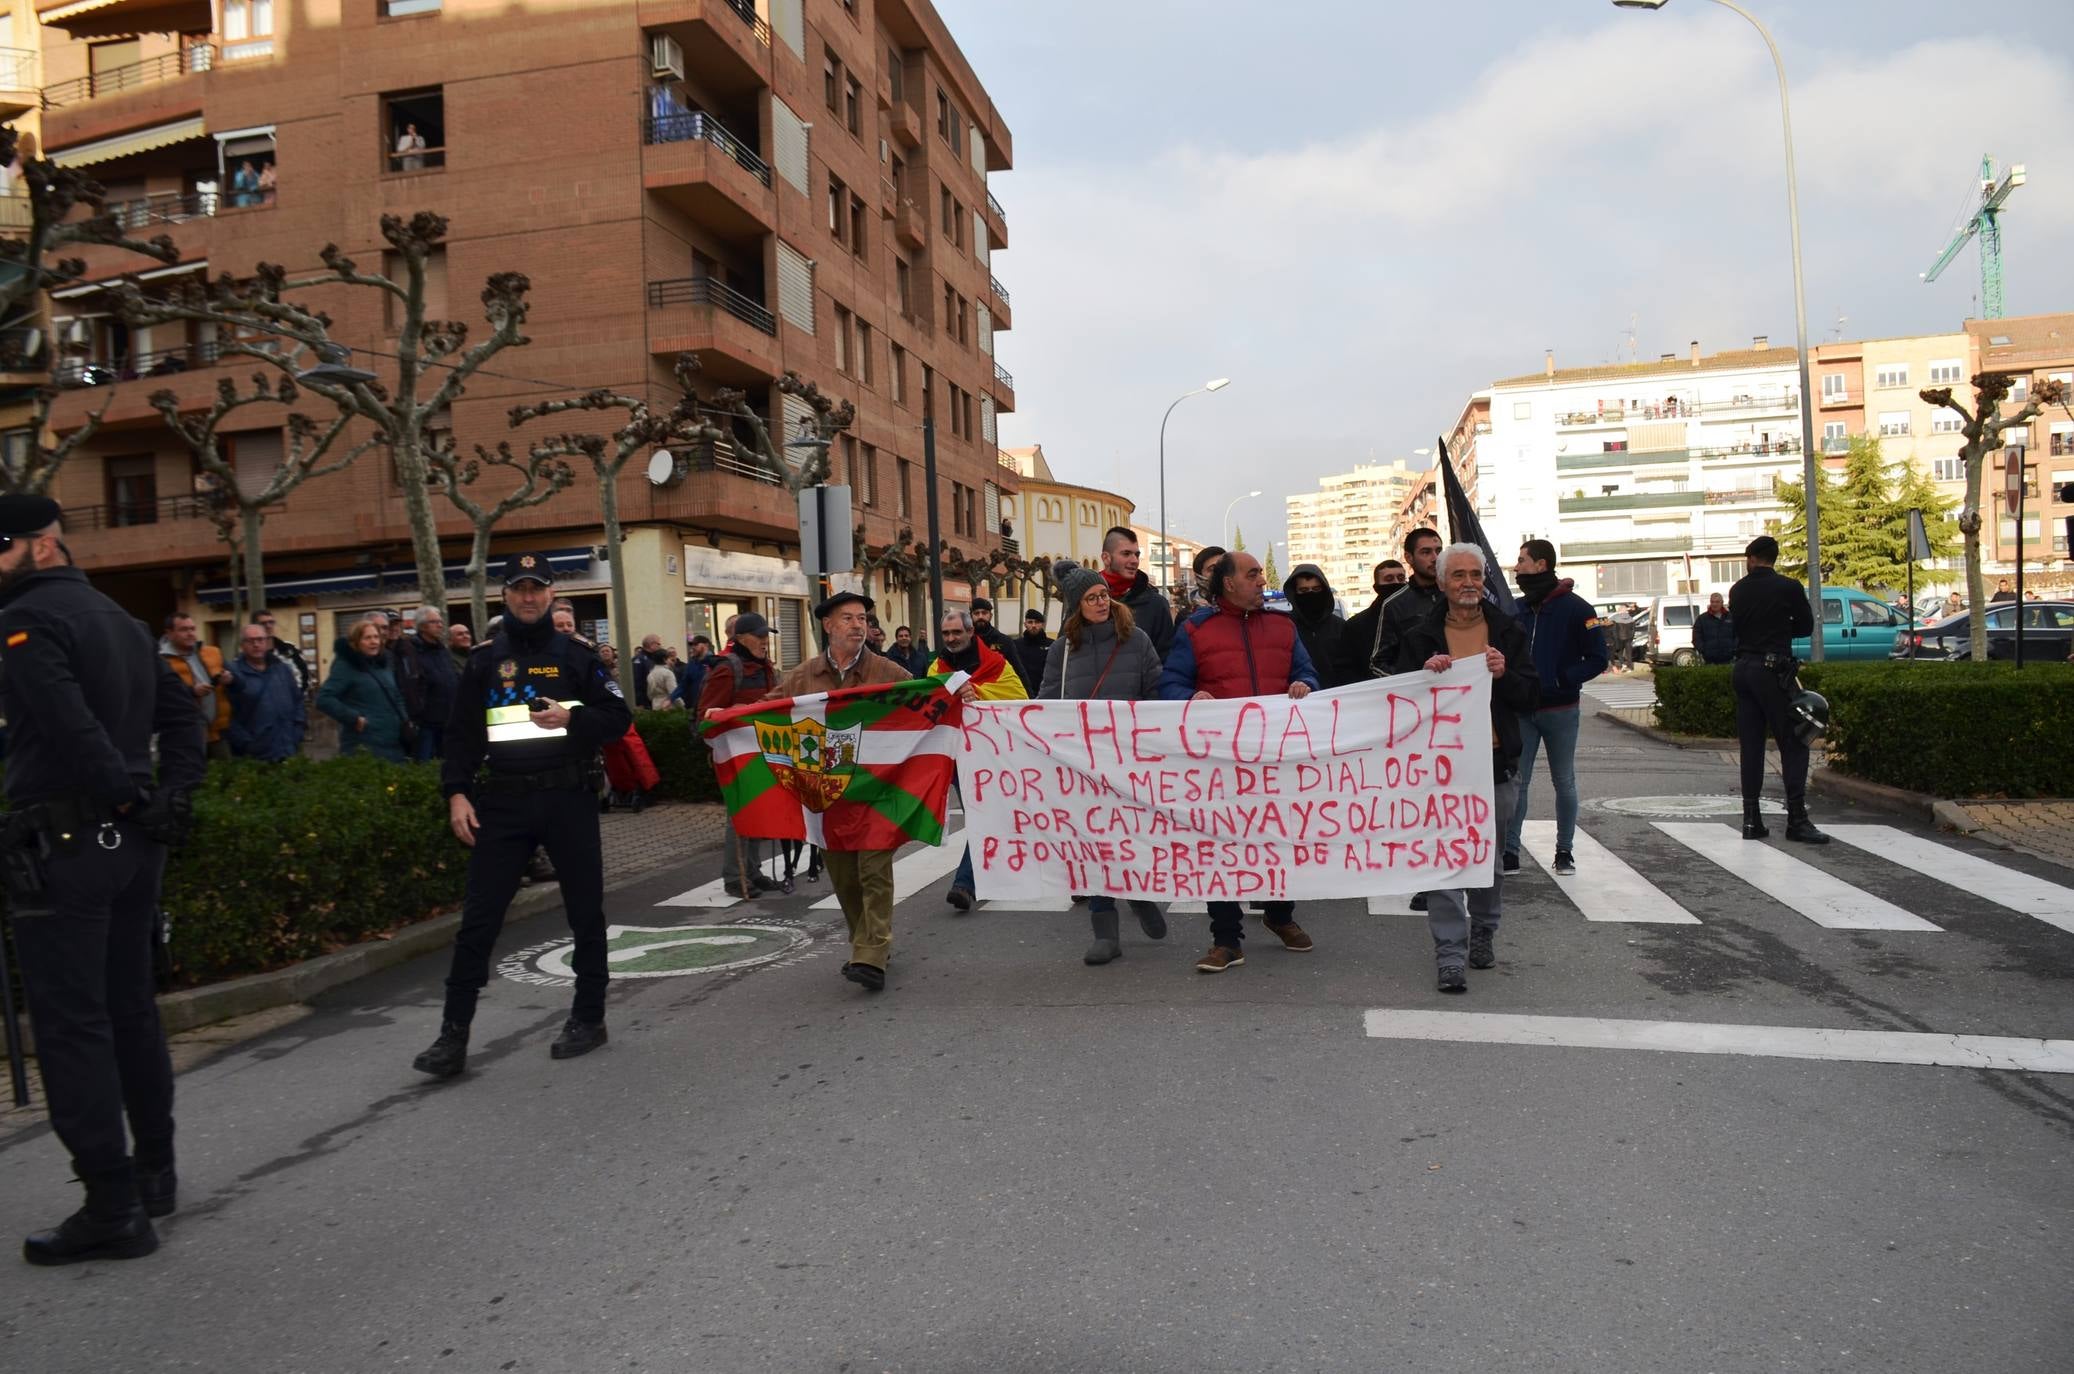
x: 735, y: 681
x: 1232, y: 653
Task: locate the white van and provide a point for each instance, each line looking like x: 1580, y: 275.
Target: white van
x: 1674, y: 616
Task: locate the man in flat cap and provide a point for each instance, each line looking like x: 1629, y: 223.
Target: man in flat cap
x: 863, y: 879
x: 531, y: 710
x: 85, y: 693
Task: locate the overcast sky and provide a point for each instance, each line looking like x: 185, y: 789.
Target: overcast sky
x: 1362, y: 211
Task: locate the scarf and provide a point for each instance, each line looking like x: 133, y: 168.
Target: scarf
x: 1121, y: 585
x: 1535, y: 587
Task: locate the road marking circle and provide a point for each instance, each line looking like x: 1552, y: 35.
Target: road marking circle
x: 1692, y: 807
x: 659, y: 952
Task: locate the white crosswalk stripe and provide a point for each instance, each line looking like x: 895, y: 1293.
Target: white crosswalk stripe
x: 1983, y: 878
x: 1604, y: 888
x: 1620, y: 692
x: 1826, y: 900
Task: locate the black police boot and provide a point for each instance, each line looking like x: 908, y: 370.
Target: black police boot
x: 112, y: 1225
x: 577, y: 1037
x: 158, y: 1187
x: 448, y: 1054
x: 1754, y: 827
x: 1801, y: 830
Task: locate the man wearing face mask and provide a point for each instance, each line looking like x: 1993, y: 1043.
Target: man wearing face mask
x: 1359, y: 640
x: 1411, y: 605
x: 1318, y: 622
x: 1569, y: 650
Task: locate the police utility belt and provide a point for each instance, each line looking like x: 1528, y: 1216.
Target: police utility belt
x: 566, y: 775
x: 1771, y: 662
x: 32, y: 835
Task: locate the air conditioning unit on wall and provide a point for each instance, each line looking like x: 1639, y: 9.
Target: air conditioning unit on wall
x: 665, y: 58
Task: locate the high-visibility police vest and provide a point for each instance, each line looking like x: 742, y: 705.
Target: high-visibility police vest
x: 515, y: 681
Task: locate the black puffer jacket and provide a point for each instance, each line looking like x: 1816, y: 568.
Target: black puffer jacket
x: 1511, y: 694
x: 1322, y: 629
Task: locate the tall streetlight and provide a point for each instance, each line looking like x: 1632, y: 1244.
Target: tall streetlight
x: 1227, y: 514
x: 1166, y: 550
x: 1811, y: 472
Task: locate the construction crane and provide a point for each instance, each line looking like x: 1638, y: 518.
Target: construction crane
x: 1986, y: 222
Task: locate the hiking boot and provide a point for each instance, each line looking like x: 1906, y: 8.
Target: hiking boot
x: 1106, y: 946
x: 1452, y: 979
x: 1565, y: 864
x: 85, y: 1236
x: 1418, y: 901
x: 865, y: 976
x: 158, y: 1188
x: 1481, y: 955
x: 1151, y: 919
x: 578, y: 1037
x: 1801, y: 830
x: 448, y: 1054
x: 1219, y: 959
x: 961, y: 898
x: 1511, y: 863
x: 763, y: 884
x: 1754, y: 827
x: 1292, y: 937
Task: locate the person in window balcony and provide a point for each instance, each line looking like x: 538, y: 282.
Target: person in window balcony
x: 409, y: 144
x: 244, y: 185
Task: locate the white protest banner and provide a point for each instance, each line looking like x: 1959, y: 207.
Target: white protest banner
x: 1378, y: 788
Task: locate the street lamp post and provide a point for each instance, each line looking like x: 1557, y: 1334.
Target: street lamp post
x: 1811, y: 468
x: 1166, y: 550
x: 1227, y: 514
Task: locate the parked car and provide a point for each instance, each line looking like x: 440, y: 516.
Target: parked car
x: 1673, y: 617
x: 2048, y: 634
x: 1855, y: 625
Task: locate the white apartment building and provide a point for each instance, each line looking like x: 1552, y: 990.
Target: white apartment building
x: 1649, y: 477
x: 1344, y: 526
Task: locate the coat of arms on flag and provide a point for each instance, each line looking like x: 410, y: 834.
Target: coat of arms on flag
x: 854, y: 769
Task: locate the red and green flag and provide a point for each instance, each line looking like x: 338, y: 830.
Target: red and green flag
x: 857, y: 768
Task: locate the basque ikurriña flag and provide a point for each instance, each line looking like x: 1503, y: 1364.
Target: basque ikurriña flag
x: 856, y: 768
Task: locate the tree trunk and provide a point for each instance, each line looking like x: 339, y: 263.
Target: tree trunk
x: 254, y: 521
x: 479, y: 581
x: 608, y: 508
x: 1976, y: 581
x: 424, y: 525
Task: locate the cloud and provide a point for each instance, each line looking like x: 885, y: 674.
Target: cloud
x: 1359, y: 283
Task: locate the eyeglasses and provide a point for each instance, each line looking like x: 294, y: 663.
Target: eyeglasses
x: 1097, y: 597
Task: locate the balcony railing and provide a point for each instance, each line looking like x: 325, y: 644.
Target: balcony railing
x: 178, y: 207
x: 163, y: 362
x: 1629, y: 500
x: 1000, y: 291
x: 1573, y: 462
x: 1002, y: 375
x: 709, y: 291
x: 417, y: 160
x: 194, y: 57
x: 995, y: 206
x: 17, y: 69
x: 118, y: 514
x: 698, y: 125
x: 725, y: 455
x: 1749, y: 448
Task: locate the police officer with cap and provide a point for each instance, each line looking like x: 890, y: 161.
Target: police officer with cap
x: 84, y: 849
x: 1770, y: 611
x: 531, y: 710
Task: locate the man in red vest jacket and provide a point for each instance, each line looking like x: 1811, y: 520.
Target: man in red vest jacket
x: 1235, y: 647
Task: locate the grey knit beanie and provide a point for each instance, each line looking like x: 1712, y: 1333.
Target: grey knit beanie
x: 1073, y: 582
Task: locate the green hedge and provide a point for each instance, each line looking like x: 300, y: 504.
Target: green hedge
x: 1948, y: 729
x: 682, y: 758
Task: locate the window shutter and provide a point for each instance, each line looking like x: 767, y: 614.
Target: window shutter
x: 994, y: 509
x: 986, y: 329
x: 978, y: 148
x: 789, y: 24
x: 793, y: 411
x: 980, y: 248
x: 256, y: 456
x: 795, y: 288
x: 789, y: 142
x: 986, y: 419
x: 793, y: 648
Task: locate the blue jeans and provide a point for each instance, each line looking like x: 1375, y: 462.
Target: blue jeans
x: 1557, y: 728
x: 431, y: 742
x: 964, y: 877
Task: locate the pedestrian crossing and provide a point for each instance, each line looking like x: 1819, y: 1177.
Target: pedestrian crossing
x: 1608, y: 888
x: 1622, y: 692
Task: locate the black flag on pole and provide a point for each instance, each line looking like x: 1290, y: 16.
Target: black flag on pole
x: 1464, y: 528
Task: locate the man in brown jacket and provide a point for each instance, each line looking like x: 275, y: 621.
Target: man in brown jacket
x: 863, y: 879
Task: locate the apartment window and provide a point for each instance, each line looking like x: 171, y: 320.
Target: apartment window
x: 838, y: 205
x: 1727, y: 569
x: 896, y: 74
x: 1632, y: 579
x: 853, y: 105
x: 414, y: 130
x: 899, y: 375
x: 965, y: 400
x: 950, y: 308
x: 1890, y: 375
x: 248, y: 29
x: 1835, y: 438
x: 132, y: 489
x: 957, y: 508
x: 1948, y: 469
x: 903, y: 280
x: 957, y: 410
x: 858, y: 238
x: 843, y: 343
x: 898, y: 176
x: 1833, y: 386
x: 2019, y: 390
x: 943, y: 116
x: 403, y: 9
x: 864, y: 366
x: 964, y: 316
x: 905, y: 471
x: 1942, y: 421
x: 1948, y: 372
x: 868, y: 477
x: 17, y: 449
x: 945, y: 206
x: 1893, y: 424
x: 435, y: 288
x: 849, y: 468
x: 831, y: 79
x: 1522, y: 410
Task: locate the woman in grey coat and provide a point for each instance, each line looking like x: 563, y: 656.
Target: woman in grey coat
x: 1100, y: 655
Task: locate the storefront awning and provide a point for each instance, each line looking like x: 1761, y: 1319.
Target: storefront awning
x: 122, y: 145
x: 401, y: 578
x: 120, y: 18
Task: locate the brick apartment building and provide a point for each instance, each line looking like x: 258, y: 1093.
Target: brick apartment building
x: 788, y: 184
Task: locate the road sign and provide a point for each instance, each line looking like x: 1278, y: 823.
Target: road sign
x: 2012, y: 478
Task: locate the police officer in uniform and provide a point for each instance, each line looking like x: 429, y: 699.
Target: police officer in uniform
x: 530, y: 712
x: 84, y: 849
x: 1770, y: 611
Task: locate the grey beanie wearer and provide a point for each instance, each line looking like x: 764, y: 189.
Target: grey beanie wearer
x: 1073, y: 582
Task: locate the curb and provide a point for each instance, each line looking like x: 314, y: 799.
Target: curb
x: 203, y: 1006
x: 1921, y: 806
x: 1662, y: 736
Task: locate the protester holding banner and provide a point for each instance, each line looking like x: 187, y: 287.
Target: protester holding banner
x: 990, y: 677
x: 1237, y: 648
x: 862, y: 878
x: 1102, y: 655
x: 1461, y: 626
